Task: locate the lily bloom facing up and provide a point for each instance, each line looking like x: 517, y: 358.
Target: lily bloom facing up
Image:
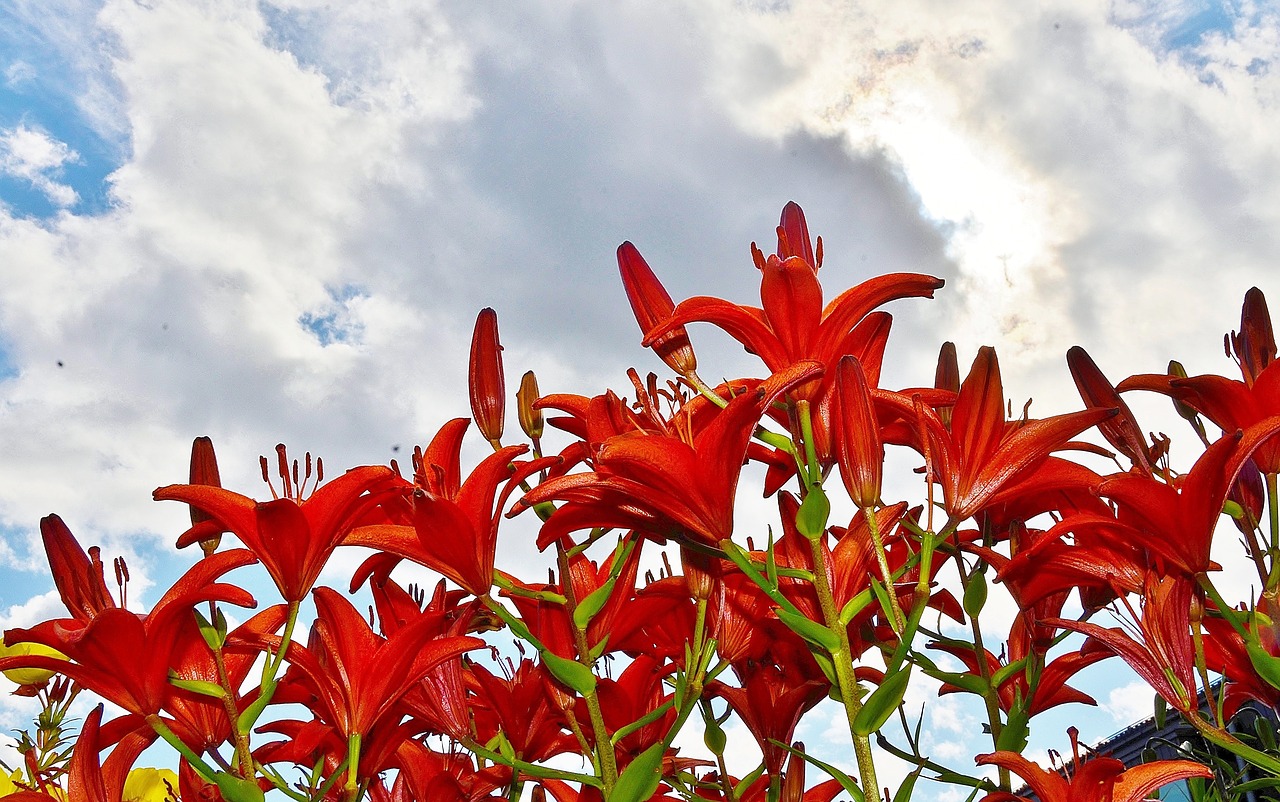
x: 1102, y: 779
x: 293, y: 535
x: 666, y: 484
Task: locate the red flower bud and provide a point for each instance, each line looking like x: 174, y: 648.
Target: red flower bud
x: 652, y: 305
x: 204, y: 471
x: 793, y: 236
x: 484, y: 378
x: 1255, y: 344
x: 859, y: 449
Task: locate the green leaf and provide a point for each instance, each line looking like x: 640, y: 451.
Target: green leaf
x: 968, y: 682
x: 594, y: 603
x: 854, y: 606
x: 249, y: 716
x: 849, y: 784
x: 1161, y: 712
x: 572, y: 673
x: 199, y: 686
x: 1004, y: 672
x: 811, y: 518
x: 879, y: 706
x: 238, y: 789
x: 1266, y: 665
x: 640, y: 779
x: 210, y: 632
x: 1013, y: 737
x: 908, y: 784
x: 811, y: 631
x: 975, y: 595
x: 714, y: 737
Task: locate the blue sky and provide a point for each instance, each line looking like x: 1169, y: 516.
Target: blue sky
x: 274, y: 220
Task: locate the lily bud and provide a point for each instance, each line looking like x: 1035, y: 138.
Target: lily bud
x: 1121, y: 431
x: 530, y: 417
x: 204, y: 471
x: 1250, y: 493
x: 859, y: 449
x: 484, y: 378
x: 652, y: 305
x: 700, y: 572
x: 947, y: 377
x: 793, y: 236
x: 1255, y: 344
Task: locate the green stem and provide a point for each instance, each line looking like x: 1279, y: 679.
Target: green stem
x: 1273, y: 510
x: 203, y: 769
x: 604, y: 744
x: 882, y: 559
x: 845, y: 680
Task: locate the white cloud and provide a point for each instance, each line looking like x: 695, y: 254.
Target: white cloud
x: 387, y: 167
x: 1130, y: 703
x: 33, y: 156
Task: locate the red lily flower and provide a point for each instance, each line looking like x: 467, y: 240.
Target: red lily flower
x: 665, y: 484
x: 78, y: 576
x: 793, y: 325
x: 445, y: 776
x: 1176, y: 524
x: 770, y: 701
x: 1164, y: 658
x: 652, y: 306
x: 484, y: 378
x: 549, y: 621
x: 293, y: 536
x: 1229, y: 403
x: 125, y: 657
x: 356, y: 678
x: 451, y: 526
x: 1102, y: 779
x: 1122, y: 431
x: 520, y: 708
x: 980, y: 454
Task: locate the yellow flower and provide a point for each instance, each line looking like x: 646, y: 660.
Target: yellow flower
x: 149, y: 785
x: 29, y: 676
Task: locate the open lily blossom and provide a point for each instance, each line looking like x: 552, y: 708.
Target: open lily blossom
x: 664, y: 615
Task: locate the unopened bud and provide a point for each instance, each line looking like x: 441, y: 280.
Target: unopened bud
x: 204, y: 471
x: 530, y: 418
x: 484, y: 378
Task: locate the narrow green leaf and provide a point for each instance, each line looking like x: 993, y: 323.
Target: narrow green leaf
x: 1266, y: 665
x: 212, y: 637
x: 594, y: 603
x: 572, y: 673
x: 854, y: 606
x: 249, y: 716
x: 1161, y: 711
x: 1005, y: 672
x: 199, y: 686
x: 640, y: 779
x: 972, y: 683
x: 879, y: 706
x: 975, y: 595
x: 908, y: 784
x: 849, y: 784
x: 811, y: 631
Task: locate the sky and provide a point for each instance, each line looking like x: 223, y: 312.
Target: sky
x: 275, y: 221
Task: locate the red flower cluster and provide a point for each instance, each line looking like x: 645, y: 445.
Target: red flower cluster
x: 575, y: 686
